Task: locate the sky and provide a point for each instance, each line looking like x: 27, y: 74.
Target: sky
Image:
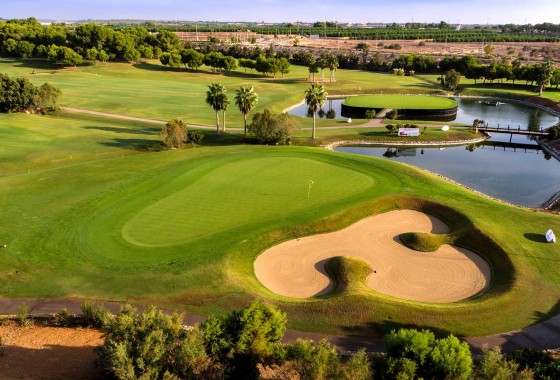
x: 354, y: 11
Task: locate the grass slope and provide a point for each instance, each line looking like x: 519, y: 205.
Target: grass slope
x: 416, y: 102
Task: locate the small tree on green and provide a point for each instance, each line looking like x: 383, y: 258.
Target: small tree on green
x: 173, y: 134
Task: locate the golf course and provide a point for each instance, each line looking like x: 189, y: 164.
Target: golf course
x: 91, y: 208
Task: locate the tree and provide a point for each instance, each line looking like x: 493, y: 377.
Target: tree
x: 245, y: 338
x: 92, y: 54
x: 191, y: 58
x: 171, y: 59
x: 103, y: 56
x: 488, y: 50
x: 477, y: 123
x: 420, y: 354
x: 215, y: 98
x: 544, y: 75
x: 246, y: 99
x: 272, y: 128
x: 452, y: 79
x: 332, y: 61
x: 315, y: 97
x: 47, y: 97
x: 314, y: 361
x: 173, y: 134
x: 358, y: 367
x: 153, y: 345
x: 493, y: 366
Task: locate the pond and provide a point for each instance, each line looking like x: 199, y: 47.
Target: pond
x: 511, y: 168
x: 522, y: 176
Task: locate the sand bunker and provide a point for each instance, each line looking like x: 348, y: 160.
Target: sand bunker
x: 296, y: 268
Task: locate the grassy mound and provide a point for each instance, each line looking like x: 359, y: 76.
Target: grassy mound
x: 416, y: 102
x: 425, y: 242
x: 349, y: 275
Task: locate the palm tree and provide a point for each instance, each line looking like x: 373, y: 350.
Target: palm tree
x: 315, y: 97
x: 224, y: 105
x: 313, y: 69
x: 215, y: 99
x: 246, y: 99
x: 333, y: 65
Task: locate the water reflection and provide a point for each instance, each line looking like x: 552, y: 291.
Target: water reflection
x: 517, y: 173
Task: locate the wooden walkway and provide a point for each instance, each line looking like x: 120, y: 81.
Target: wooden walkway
x: 513, y: 131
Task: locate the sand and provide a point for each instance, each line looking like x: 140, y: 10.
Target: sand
x: 296, y: 268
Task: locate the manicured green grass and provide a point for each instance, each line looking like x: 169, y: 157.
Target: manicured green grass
x: 416, y: 102
x: 88, y: 210
x: 182, y: 228
x: 153, y: 91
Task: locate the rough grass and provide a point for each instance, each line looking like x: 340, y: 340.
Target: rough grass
x: 416, y: 102
x: 349, y: 275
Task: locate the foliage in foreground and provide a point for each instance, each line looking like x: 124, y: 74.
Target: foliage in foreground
x: 238, y: 345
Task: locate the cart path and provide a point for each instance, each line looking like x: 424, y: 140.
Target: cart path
x: 376, y: 122
x: 543, y: 335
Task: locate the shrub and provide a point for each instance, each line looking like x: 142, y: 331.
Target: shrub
x: 94, y: 315
x: 22, y: 316
x: 370, y: 114
x: 418, y: 353
x: 392, y: 114
x: 195, y: 136
x: 422, y: 43
x: 245, y: 338
x: 153, y: 345
x: 313, y: 361
x: 173, y: 133
x: 272, y: 128
x: 398, y: 71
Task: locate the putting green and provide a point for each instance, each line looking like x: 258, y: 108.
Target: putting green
x: 239, y: 193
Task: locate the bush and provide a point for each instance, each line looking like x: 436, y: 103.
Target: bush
x: 418, y: 353
x: 370, y: 114
x: 272, y: 128
x: 392, y: 114
x: 153, y: 345
x: 313, y: 361
x: 22, y: 316
x: 245, y: 338
x: 94, y: 315
x: 173, y: 133
x: 195, y: 136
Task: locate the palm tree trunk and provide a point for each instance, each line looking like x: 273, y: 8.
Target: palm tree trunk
x: 244, y: 124
x: 217, y: 122
x: 313, y: 132
x: 224, y: 120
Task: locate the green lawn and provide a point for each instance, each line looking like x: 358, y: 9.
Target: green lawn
x: 153, y: 91
x: 89, y: 208
x: 87, y: 213
x: 416, y: 102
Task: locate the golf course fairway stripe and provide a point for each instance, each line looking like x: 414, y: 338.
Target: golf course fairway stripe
x: 241, y: 192
x: 296, y: 268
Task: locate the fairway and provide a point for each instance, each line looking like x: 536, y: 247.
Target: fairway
x: 239, y: 193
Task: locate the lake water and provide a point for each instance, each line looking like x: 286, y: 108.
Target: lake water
x: 521, y: 174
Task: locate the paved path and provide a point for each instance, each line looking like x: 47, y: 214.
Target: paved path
x: 543, y: 335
